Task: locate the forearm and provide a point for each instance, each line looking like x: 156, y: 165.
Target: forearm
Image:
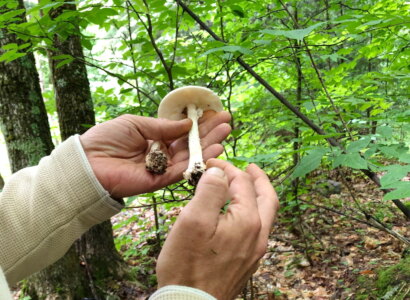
x: 44, y: 209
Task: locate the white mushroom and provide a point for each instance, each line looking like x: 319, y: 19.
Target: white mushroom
x: 190, y: 101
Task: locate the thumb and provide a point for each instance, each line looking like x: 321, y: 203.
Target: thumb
x: 210, y: 196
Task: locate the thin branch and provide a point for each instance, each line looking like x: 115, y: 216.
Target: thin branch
x: 119, y: 77
x: 174, y: 48
x: 134, y: 64
x: 372, y: 175
x: 148, y: 28
x: 319, y: 75
x: 371, y: 223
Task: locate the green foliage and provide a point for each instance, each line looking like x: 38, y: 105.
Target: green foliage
x: 309, y: 162
x: 349, y: 60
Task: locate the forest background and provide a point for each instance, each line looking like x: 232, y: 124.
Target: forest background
x: 319, y: 95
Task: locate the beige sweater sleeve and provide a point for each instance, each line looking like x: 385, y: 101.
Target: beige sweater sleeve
x: 44, y: 209
x: 178, y: 292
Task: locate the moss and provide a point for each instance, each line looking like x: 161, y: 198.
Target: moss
x: 33, y: 149
x: 61, y: 83
x: 391, y: 283
x: 35, y: 110
x: 26, y: 62
x: 34, y: 97
x: 393, y: 276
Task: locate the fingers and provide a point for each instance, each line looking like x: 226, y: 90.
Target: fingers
x: 241, y: 186
x: 179, y: 150
x: 210, y: 196
x: 159, y: 129
x: 207, y: 125
x: 267, y: 199
x: 174, y: 172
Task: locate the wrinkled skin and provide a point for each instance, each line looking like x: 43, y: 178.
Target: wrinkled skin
x: 217, y: 252
x: 116, y: 149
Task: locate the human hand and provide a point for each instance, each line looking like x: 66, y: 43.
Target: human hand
x: 116, y: 149
x: 215, y: 252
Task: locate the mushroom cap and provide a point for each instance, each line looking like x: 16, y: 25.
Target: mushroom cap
x: 173, y: 106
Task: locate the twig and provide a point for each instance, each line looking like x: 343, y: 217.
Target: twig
x: 134, y: 64
x: 158, y: 203
x: 319, y: 75
x: 371, y: 224
x: 372, y: 175
x: 148, y: 28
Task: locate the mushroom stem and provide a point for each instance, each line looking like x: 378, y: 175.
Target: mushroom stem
x: 155, y: 146
x: 156, y: 161
x: 196, y: 166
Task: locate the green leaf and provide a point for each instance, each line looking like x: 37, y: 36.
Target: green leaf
x: 309, y: 162
x: 351, y: 160
x: 8, y: 16
x: 393, y: 150
x: 11, y: 55
x: 238, y: 11
x: 64, y: 62
x: 369, y: 152
x: 236, y: 132
x: 405, y: 157
x: 140, y: 6
x: 385, y: 131
x: 260, y: 158
x: 394, y: 174
x: 402, y: 190
x: 62, y: 56
x: 24, y: 46
x: 230, y: 48
x: 297, y: 34
x: 126, y: 91
x: 358, y: 145
x: 10, y: 46
x: 99, y: 15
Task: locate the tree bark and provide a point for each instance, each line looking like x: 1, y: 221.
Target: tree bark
x: 25, y: 126
x: 95, y: 250
x: 23, y: 115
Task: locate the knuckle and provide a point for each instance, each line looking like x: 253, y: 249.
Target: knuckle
x: 125, y: 116
x: 192, y: 221
x: 254, y: 224
x: 257, y: 224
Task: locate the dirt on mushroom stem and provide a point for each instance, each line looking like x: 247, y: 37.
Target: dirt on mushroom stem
x: 156, y: 162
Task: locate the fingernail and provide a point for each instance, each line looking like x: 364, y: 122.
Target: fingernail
x: 214, y: 171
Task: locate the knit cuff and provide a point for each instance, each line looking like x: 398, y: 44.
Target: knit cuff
x: 178, y: 292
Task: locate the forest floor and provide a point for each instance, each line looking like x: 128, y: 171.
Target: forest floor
x: 318, y: 255
x: 317, y: 251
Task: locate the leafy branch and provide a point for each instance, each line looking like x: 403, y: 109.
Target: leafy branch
x: 370, y: 174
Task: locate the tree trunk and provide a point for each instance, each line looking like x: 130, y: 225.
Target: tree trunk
x: 95, y: 250
x: 71, y: 86
x: 23, y: 115
x: 26, y: 130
